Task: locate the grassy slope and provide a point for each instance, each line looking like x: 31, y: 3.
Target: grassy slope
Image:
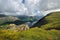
x: 32, y: 34
x: 51, y: 21
x: 36, y: 33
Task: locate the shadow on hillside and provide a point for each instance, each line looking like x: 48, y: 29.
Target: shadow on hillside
x: 52, y: 28
x: 41, y: 22
x: 44, y: 21
x: 17, y: 22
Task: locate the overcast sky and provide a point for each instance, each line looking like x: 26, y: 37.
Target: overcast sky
x: 27, y: 7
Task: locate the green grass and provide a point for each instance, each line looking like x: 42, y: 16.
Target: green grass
x: 32, y: 34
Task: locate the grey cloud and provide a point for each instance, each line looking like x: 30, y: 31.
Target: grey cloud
x: 50, y: 4
x: 12, y: 7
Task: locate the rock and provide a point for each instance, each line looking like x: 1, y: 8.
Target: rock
x: 23, y: 27
x: 18, y: 27
x: 12, y: 26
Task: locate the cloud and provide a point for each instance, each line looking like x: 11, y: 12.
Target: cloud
x: 50, y: 4
x: 16, y: 7
x: 11, y: 6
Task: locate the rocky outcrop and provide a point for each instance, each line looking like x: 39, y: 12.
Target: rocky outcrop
x: 18, y: 27
x: 23, y: 27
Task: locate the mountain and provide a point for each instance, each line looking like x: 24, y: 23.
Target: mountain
x: 51, y: 21
x: 28, y: 18
x: 4, y: 19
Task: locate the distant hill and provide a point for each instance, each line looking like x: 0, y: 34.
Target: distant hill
x: 2, y: 15
x: 51, y: 21
x: 4, y: 19
x: 27, y: 18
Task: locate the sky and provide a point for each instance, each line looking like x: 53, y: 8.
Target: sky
x: 27, y: 7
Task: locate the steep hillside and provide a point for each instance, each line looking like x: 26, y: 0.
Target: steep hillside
x: 51, y: 21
